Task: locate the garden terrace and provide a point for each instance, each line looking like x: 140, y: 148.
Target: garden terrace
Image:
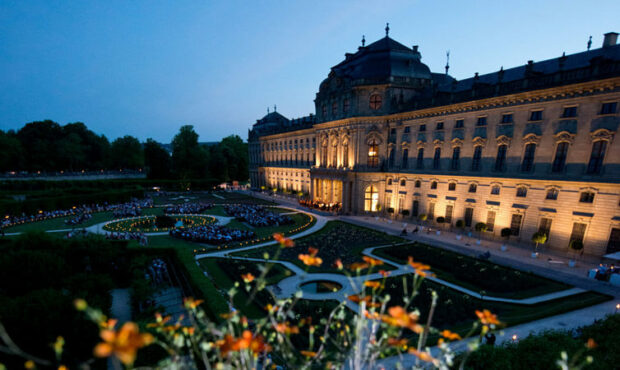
x: 256, y: 216
x: 212, y: 234
x: 154, y: 223
x: 471, y: 273
x: 337, y: 240
x: 456, y: 310
x: 187, y: 208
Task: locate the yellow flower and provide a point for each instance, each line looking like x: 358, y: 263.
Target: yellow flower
x: 487, y: 318
x: 29, y: 364
x: 80, y: 304
x: 124, y: 344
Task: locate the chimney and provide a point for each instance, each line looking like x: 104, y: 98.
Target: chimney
x: 610, y: 39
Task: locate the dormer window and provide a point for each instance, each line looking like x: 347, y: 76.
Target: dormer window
x: 460, y: 123
x: 439, y: 126
x: 375, y: 101
x: 422, y: 128
x: 507, y: 118
x: 482, y: 121
x: 407, y: 129
x: 609, y: 108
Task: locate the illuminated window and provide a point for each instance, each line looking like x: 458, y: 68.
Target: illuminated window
x: 490, y: 220
x: 373, y: 153
x: 495, y: 190
x: 448, y: 216
x: 371, y: 199
x: 375, y: 101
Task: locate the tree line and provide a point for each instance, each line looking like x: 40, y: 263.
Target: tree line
x: 47, y: 146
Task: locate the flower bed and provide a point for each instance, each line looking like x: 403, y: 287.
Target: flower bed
x: 147, y: 223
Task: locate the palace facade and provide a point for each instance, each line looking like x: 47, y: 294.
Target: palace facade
x: 530, y: 148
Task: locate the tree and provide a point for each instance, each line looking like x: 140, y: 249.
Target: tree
x: 156, y: 160
x: 480, y: 228
x: 422, y: 217
x: 40, y: 142
x: 189, y: 158
x: 236, y: 153
x: 71, y: 154
x: 127, y: 153
x: 460, y: 224
x: 505, y: 233
x: 539, y: 238
x: 11, y: 152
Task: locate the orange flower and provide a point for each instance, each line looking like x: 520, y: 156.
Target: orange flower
x: 308, y: 353
x: 286, y: 328
x: 246, y: 341
x: 384, y: 273
x: 487, y: 318
x: 372, y: 284
x: 248, y: 278
x: 271, y: 308
x: 110, y: 324
x: 285, y: 242
x: 424, y: 356
x: 124, y: 344
x: 310, y: 260
x: 357, y: 299
x: 420, y: 268
x: 359, y: 266
x: 191, y: 303
x: 372, y: 261
x: 398, y: 316
x: 397, y: 342
x: 313, y: 251
x: 450, y: 335
x: 591, y: 344
x: 338, y: 264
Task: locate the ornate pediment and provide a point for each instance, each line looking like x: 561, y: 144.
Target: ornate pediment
x: 437, y: 143
x: 602, y: 134
x: 564, y: 136
x: 456, y: 142
x: 420, y: 144
x: 531, y: 139
x: 503, y: 140
x: 373, y: 136
x: 479, y: 141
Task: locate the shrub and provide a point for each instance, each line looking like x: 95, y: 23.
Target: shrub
x: 164, y: 222
x: 405, y: 212
x: 506, y: 232
x: 481, y: 227
x: 441, y: 220
x: 460, y: 224
x: 539, y: 238
x: 575, y: 245
x: 422, y: 217
x: 390, y: 210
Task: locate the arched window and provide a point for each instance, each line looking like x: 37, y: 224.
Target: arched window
x: 452, y: 186
x: 522, y: 191
x: 434, y: 185
x: 371, y: 199
x: 418, y: 183
x: 391, y: 157
x: 389, y: 182
x: 456, y: 156
x: 335, y: 156
x: 420, y: 159
x: 324, y: 155
x: 528, y: 157
x: 375, y: 101
x: 596, y: 157
x: 495, y: 190
x: 500, y: 160
x: 559, y: 161
x: 403, y: 182
x: 373, y: 153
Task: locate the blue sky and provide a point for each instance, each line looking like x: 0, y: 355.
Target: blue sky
x: 145, y: 68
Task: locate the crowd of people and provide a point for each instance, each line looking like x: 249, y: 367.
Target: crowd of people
x: 131, y: 208
x: 140, y: 237
x: 257, y: 216
x: 328, y: 207
x: 79, y: 219
x: 212, y: 234
x: 188, y: 208
x: 157, y: 272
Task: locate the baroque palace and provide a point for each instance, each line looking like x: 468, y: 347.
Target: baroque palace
x: 530, y: 148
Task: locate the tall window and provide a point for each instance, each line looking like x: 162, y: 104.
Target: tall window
x: 596, y: 157
x: 482, y: 121
x: 371, y: 199
x: 448, y: 217
x: 490, y: 220
x: 613, y: 245
x: 475, y: 161
x: 324, y: 155
x: 334, y: 156
x: 452, y: 186
x: 545, y: 226
x: 345, y: 155
x: 373, y: 153
x: 515, y: 224
x: 456, y: 156
x: 579, y: 231
x: 334, y: 108
x: 528, y: 157
x: 431, y: 211
x: 536, y: 115
x: 507, y: 118
x: 522, y: 191
x: 433, y: 184
x: 345, y: 106
x: 415, y: 208
x: 418, y: 183
x: 405, y: 163
x: 392, y: 157
x: 375, y: 101
x: 437, y: 159
x: 473, y: 187
x: 559, y: 161
x: 469, y: 215
x: 500, y: 160
x: 420, y: 159
x: 459, y: 123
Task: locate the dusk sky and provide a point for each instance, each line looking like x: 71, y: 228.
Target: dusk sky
x: 145, y: 68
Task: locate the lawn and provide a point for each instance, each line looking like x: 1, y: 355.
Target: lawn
x: 59, y: 223
x: 337, y: 240
x: 472, y: 273
x: 456, y: 311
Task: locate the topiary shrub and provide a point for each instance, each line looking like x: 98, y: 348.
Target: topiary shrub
x: 506, y: 232
x: 405, y: 212
x: 481, y: 227
x: 539, y: 238
x: 460, y: 224
x: 164, y: 222
x: 441, y: 220
x: 422, y: 217
x: 576, y: 245
x: 390, y: 210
